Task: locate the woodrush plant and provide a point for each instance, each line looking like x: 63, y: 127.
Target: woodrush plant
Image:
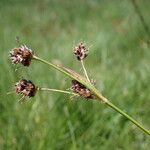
x: 81, y: 86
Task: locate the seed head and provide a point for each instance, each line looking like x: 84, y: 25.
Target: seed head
x: 81, y: 51
x: 81, y: 90
x: 26, y: 88
x: 21, y: 55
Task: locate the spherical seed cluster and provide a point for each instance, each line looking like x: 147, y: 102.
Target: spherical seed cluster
x: 81, y: 51
x: 81, y: 89
x: 26, y: 88
x: 21, y: 55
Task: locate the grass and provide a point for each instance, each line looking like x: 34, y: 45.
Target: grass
x: 118, y: 60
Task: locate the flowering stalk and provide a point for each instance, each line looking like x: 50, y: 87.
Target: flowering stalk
x: 27, y: 89
x: 81, y: 52
x: 97, y: 94
x: 80, y: 85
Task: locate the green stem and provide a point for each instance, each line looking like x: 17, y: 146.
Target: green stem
x: 127, y: 116
x: 85, y: 72
x: 99, y: 96
x: 51, y: 64
x: 56, y: 90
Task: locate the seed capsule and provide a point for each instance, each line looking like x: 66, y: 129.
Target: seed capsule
x: 21, y: 55
x: 26, y: 88
x: 81, y: 90
x: 81, y: 51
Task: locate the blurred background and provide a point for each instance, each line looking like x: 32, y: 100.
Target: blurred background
x: 119, y: 61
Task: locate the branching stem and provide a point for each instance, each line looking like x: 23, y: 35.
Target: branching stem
x: 96, y: 92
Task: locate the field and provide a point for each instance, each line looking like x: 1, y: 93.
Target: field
x: 119, y: 61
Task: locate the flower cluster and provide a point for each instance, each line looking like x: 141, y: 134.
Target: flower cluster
x: 81, y: 51
x: 81, y: 89
x: 21, y: 55
x: 26, y: 88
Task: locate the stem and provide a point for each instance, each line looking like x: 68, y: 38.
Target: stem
x: 96, y: 92
x: 85, y: 72
x: 56, y: 90
x: 127, y: 116
x: 52, y: 65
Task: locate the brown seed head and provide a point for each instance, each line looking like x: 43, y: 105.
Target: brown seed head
x: 21, y: 55
x: 81, y: 51
x: 26, y: 88
x: 81, y: 90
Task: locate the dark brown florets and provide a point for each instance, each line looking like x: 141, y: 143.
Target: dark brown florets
x: 81, y: 51
x: 26, y: 88
x: 81, y: 90
x: 21, y: 55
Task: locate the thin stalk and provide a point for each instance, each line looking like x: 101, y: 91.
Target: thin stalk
x: 56, y: 90
x: 96, y: 92
x: 127, y: 116
x: 52, y: 65
x: 85, y: 72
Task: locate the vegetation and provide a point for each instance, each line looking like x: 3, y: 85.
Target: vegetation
x: 119, y: 61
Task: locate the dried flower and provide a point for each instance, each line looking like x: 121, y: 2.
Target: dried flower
x: 81, y: 89
x: 26, y: 88
x: 81, y: 51
x: 21, y: 55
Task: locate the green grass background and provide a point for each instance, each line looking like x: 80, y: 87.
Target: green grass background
x: 119, y: 61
